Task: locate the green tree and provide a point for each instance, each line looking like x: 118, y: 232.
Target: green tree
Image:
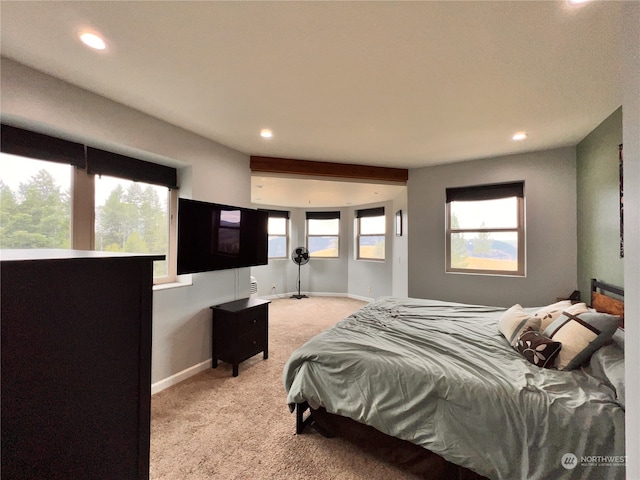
x: 8, y: 209
x: 378, y: 251
x: 115, y: 220
x: 112, y: 247
x: 459, y: 253
x: 37, y: 216
x: 133, y: 220
x: 135, y: 243
x: 482, y: 243
x: 153, y: 219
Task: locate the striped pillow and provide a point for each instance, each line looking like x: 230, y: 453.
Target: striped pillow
x: 580, y: 335
x: 551, y: 312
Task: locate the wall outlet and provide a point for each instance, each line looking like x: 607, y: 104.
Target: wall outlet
x: 369, y: 288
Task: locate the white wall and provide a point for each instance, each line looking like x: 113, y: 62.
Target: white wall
x: 344, y: 275
x: 630, y: 81
x: 400, y: 249
x: 282, y: 272
x: 279, y: 277
x: 210, y: 172
x: 550, y: 209
x: 326, y: 275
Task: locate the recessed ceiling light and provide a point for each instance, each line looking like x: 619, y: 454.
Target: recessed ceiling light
x: 519, y: 136
x: 576, y: 2
x: 266, y: 133
x: 93, y: 41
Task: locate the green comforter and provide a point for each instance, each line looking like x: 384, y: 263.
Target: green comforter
x: 441, y: 375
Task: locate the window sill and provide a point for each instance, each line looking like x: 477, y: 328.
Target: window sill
x: 488, y: 274
x: 168, y: 286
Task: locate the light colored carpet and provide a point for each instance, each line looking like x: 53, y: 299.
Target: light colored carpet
x: 214, y: 426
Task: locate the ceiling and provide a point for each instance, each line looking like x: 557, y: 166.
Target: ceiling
x: 400, y: 84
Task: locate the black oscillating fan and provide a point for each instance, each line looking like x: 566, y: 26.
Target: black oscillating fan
x: 300, y: 256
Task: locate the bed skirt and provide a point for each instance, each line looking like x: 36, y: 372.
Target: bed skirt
x: 406, y: 456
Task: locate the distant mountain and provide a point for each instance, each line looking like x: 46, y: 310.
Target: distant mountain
x: 499, y: 250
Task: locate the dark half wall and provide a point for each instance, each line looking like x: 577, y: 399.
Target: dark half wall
x: 598, y: 204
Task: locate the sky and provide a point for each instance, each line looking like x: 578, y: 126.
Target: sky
x: 494, y: 213
x: 15, y: 170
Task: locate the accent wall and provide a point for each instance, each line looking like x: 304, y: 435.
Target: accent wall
x: 598, y: 193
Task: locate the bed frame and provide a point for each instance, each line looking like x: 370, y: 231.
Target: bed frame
x: 605, y: 303
x: 406, y: 455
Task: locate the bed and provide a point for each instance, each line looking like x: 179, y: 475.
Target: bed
x: 467, y: 385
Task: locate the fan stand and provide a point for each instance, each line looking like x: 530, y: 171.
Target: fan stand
x: 298, y: 296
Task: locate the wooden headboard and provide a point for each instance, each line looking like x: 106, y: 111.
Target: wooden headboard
x: 605, y: 303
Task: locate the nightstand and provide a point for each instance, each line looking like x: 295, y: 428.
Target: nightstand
x: 574, y: 297
x: 240, y: 331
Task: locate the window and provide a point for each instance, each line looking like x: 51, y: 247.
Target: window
x: 485, y: 229
x: 41, y: 206
x: 35, y: 203
x: 323, y: 234
x: 278, y: 234
x: 371, y: 229
x: 135, y: 203
x: 132, y: 217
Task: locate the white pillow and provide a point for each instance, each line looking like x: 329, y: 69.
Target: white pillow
x: 514, y: 321
x: 550, y: 313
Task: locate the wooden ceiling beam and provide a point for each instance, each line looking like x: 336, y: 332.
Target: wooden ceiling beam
x: 328, y: 169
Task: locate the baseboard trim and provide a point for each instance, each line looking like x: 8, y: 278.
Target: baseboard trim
x: 277, y: 295
x: 202, y: 366
x: 358, y: 297
x: 179, y: 377
x: 325, y: 294
x: 317, y: 294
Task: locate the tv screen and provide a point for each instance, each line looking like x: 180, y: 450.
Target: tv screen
x: 212, y: 236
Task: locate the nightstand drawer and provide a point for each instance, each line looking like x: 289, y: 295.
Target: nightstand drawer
x: 254, y: 319
x: 251, y: 343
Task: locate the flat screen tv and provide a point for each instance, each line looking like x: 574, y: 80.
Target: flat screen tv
x: 219, y: 237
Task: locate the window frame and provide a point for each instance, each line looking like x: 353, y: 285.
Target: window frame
x: 370, y: 213
x: 172, y: 241
x: 171, y: 198
x: 285, y: 215
x: 488, y: 192
x: 333, y: 215
x: 87, y: 162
